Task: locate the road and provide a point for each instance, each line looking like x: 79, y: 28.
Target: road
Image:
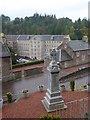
x: 32, y: 83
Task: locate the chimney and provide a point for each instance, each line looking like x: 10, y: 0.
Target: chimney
x: 66, y: 38
x: 85, y: 38
x: 2, y: 38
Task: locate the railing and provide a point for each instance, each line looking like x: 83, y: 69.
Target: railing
x: 75, y: 109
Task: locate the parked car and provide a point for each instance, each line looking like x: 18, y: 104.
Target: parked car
x: 23, y: 60
x: 82, y: 68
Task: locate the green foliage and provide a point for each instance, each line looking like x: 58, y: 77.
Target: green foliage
x: 14, y: 58
x: 86, y: 116
x: 45, y: 24
x: 9, y: 97
x: 72, y: 85
x: 49, y: 117
x: 28, y: 64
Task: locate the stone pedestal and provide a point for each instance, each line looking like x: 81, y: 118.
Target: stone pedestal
x: 53, y: 97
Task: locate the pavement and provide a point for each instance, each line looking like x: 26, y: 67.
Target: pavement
x: 32, y: 83
x: 32, y: 106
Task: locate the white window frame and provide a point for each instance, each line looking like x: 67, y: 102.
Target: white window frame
x: 83, y: 57
x: 77, y: 54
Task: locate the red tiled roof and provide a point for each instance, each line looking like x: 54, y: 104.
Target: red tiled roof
x: 32, y: 106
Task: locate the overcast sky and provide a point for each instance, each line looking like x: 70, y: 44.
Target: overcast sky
x: 73, y: 9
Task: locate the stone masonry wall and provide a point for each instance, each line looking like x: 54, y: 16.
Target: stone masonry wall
x: 17, y: 74
x: 33, y: 71
x: 74, y: 62
x: 6, y: 69
x: 75, y: 75
x: 6, y: 66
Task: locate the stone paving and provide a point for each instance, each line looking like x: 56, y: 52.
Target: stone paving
x: 32, y: 107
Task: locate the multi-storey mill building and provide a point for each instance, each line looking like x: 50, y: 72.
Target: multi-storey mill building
x: 36, y: 46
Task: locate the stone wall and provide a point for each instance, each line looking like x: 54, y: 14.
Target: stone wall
x: 6, y: 66
x: 6, y: 70
x: 12, y: 76
x: 33, y: 71
x: 76, y: 60
x: 83, y: 57
x: 17, y: 74
x: 75, y: 75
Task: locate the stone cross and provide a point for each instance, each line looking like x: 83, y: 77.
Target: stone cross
x: 53, y: 54
x: 53, y: 96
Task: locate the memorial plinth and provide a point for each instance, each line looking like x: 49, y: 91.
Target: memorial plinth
x: 53, y: 97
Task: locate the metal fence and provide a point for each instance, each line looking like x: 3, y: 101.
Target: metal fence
x: 75, y: 109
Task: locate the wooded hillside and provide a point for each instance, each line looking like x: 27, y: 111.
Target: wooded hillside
x: 45, y: 24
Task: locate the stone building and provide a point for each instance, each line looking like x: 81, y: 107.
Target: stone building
x: 5, y: 62
x: 36, y: 46
x: 11, y: 40
x: 75, y: 52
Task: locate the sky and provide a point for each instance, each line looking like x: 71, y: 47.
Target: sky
x: 72, y: 9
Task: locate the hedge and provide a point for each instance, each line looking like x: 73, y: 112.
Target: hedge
x: 50, y: 117
x: 28, y: 64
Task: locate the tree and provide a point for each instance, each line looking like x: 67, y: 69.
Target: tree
x: 45, y: 24
x: 13, y: 55
x: 72, y: 85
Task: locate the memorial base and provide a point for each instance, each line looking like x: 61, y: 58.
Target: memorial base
x: 53, y: 101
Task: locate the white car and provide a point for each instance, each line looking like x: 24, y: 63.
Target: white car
x: 82, y: 68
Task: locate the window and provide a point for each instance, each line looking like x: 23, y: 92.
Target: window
x: 65, y: 46
x: 77, y: 54
x: 88, y: 52
x: 83, y: 57
x: 65, y: 64
x: 50, y: 50
x: 77, y: 61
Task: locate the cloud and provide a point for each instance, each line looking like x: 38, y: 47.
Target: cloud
x: 61, y: 8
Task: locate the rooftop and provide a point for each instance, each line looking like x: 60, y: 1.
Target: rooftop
x: 50, y: 37
x: 32, y: 106
x: 77, y: 45
x: 4, y: 52
x: 41, y: 37
x: 65, y: 56
x: 24, y: 37
x: 11, y: 37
